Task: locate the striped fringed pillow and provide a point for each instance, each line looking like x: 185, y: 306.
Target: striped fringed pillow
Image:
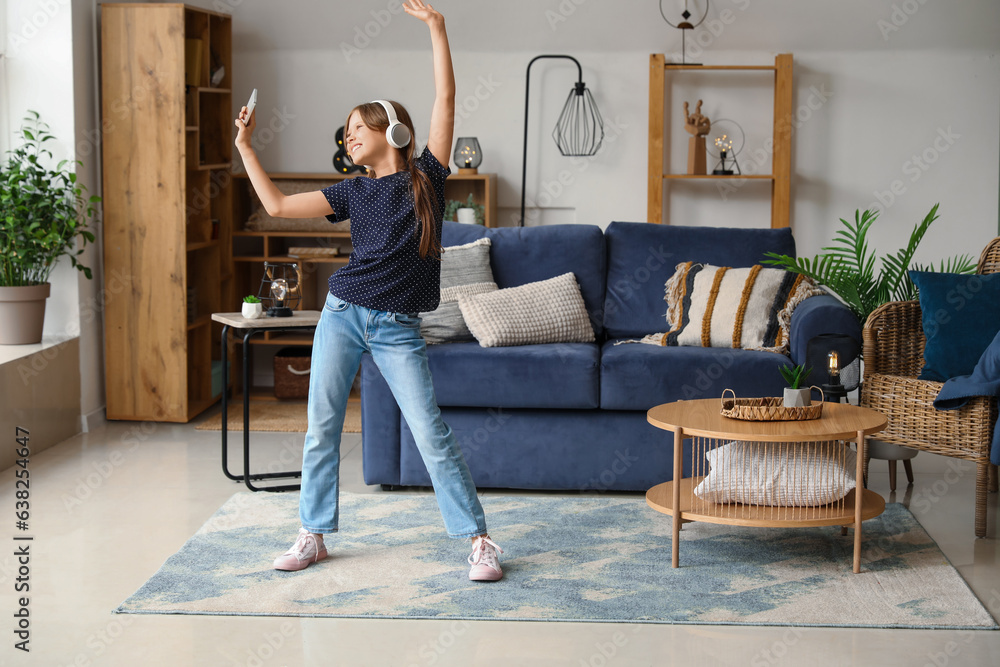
x: 717, y: 306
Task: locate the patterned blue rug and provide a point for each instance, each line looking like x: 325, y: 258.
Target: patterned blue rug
x: 567, y: 558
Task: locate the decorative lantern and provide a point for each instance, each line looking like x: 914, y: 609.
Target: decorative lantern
x: 280, y: 288
x: 468, y: 156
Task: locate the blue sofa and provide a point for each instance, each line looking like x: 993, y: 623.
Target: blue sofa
x: 572, y: 416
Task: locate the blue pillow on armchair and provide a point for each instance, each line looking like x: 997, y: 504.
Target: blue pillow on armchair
x: 960, y: 314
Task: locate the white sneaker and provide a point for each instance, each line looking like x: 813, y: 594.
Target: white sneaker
x: 307, y: 549
x: 484, y: 561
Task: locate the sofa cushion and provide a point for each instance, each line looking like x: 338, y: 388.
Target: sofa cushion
x: 548, y: 311
x: 637, y: 377
x: 465, y: 269
x: 556, y: 375
x: 642, y: 257
x: 522, y: 255
x: 747, y: 308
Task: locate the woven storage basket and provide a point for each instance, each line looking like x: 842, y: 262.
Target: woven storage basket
x: 291, y: 372
x: 767, y: 409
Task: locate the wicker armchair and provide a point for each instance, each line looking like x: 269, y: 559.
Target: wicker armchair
x: 894, y: 356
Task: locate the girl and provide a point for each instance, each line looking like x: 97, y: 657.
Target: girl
x: 393, y: 273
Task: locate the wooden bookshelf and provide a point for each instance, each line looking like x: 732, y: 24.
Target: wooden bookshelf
x: 659, y: 173
x: 167, y: 155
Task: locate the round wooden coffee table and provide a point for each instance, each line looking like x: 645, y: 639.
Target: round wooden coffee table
x: 702, y: 421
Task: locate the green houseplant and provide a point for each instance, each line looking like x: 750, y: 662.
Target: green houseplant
x: 795, y: 396
x: 44, y: 214
x: 252, y: 307
x: 848, y: 267
x: 453, y: 206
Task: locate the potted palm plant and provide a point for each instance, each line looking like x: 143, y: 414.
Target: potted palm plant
x: 848, y: 268
x: 44, y: 214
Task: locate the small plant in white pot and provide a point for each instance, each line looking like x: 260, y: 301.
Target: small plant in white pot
x: 468, y: 212
x: 252, y: 307
x: 796, y: 396
x: 43, y: 217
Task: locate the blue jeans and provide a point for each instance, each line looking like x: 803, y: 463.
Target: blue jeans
x: 345, y: 332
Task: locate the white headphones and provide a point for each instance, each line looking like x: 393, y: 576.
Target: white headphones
x: 397, y: 134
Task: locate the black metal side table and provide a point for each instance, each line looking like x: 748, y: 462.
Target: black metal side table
x: 300, y: 319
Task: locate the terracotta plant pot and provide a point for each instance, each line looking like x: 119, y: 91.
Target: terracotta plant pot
x: 797, y: 398
x: 22, y: 314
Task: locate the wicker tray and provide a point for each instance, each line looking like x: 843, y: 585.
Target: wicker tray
x: 767, y: 409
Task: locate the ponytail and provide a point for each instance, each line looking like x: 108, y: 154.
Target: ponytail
x: 423, y: 196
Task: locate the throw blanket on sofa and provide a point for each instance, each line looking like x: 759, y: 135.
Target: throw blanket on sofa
x: 984, y: 381
x: 717, y: 306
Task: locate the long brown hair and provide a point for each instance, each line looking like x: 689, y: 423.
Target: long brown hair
x: 374, y: 116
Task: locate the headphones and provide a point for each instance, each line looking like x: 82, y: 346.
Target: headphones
x: 397, y: 134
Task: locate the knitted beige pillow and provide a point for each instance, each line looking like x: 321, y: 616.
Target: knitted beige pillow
x: 779, y: 474
x: 548, y: 311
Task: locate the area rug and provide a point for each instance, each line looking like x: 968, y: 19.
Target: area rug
x: 566, y: 558
x: 288, y: 417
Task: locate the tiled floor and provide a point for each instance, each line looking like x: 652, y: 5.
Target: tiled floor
x: 109, y: 506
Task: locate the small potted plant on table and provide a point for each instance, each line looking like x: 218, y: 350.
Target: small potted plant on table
x: 252, y: 307
x: 796, y: 396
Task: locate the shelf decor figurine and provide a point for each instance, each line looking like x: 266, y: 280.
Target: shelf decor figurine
x: 684, y: 25
x: 724, y: 145
x: 468, y: 155
x: 279, y: 288
x: 698, y: 126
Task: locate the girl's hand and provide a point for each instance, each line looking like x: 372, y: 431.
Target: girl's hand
x: 425, y: 13
x: 244, y: 133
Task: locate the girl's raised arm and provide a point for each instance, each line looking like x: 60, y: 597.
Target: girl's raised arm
x: 443, y: 111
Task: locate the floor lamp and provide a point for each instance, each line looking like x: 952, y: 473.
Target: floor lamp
x: 580, y: 129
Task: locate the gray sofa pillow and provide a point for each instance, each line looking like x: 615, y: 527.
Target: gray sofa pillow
x: 465, y: 270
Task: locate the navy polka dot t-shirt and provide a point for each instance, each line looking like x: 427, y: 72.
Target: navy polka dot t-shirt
x: 385, y: 271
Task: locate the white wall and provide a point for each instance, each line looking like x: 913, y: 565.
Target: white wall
x: 863, y: 116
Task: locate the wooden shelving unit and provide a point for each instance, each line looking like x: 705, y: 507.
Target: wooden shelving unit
x: 167, y: 205
x: 659, y: 171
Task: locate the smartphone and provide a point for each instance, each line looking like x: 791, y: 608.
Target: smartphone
x: 251, y: 104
